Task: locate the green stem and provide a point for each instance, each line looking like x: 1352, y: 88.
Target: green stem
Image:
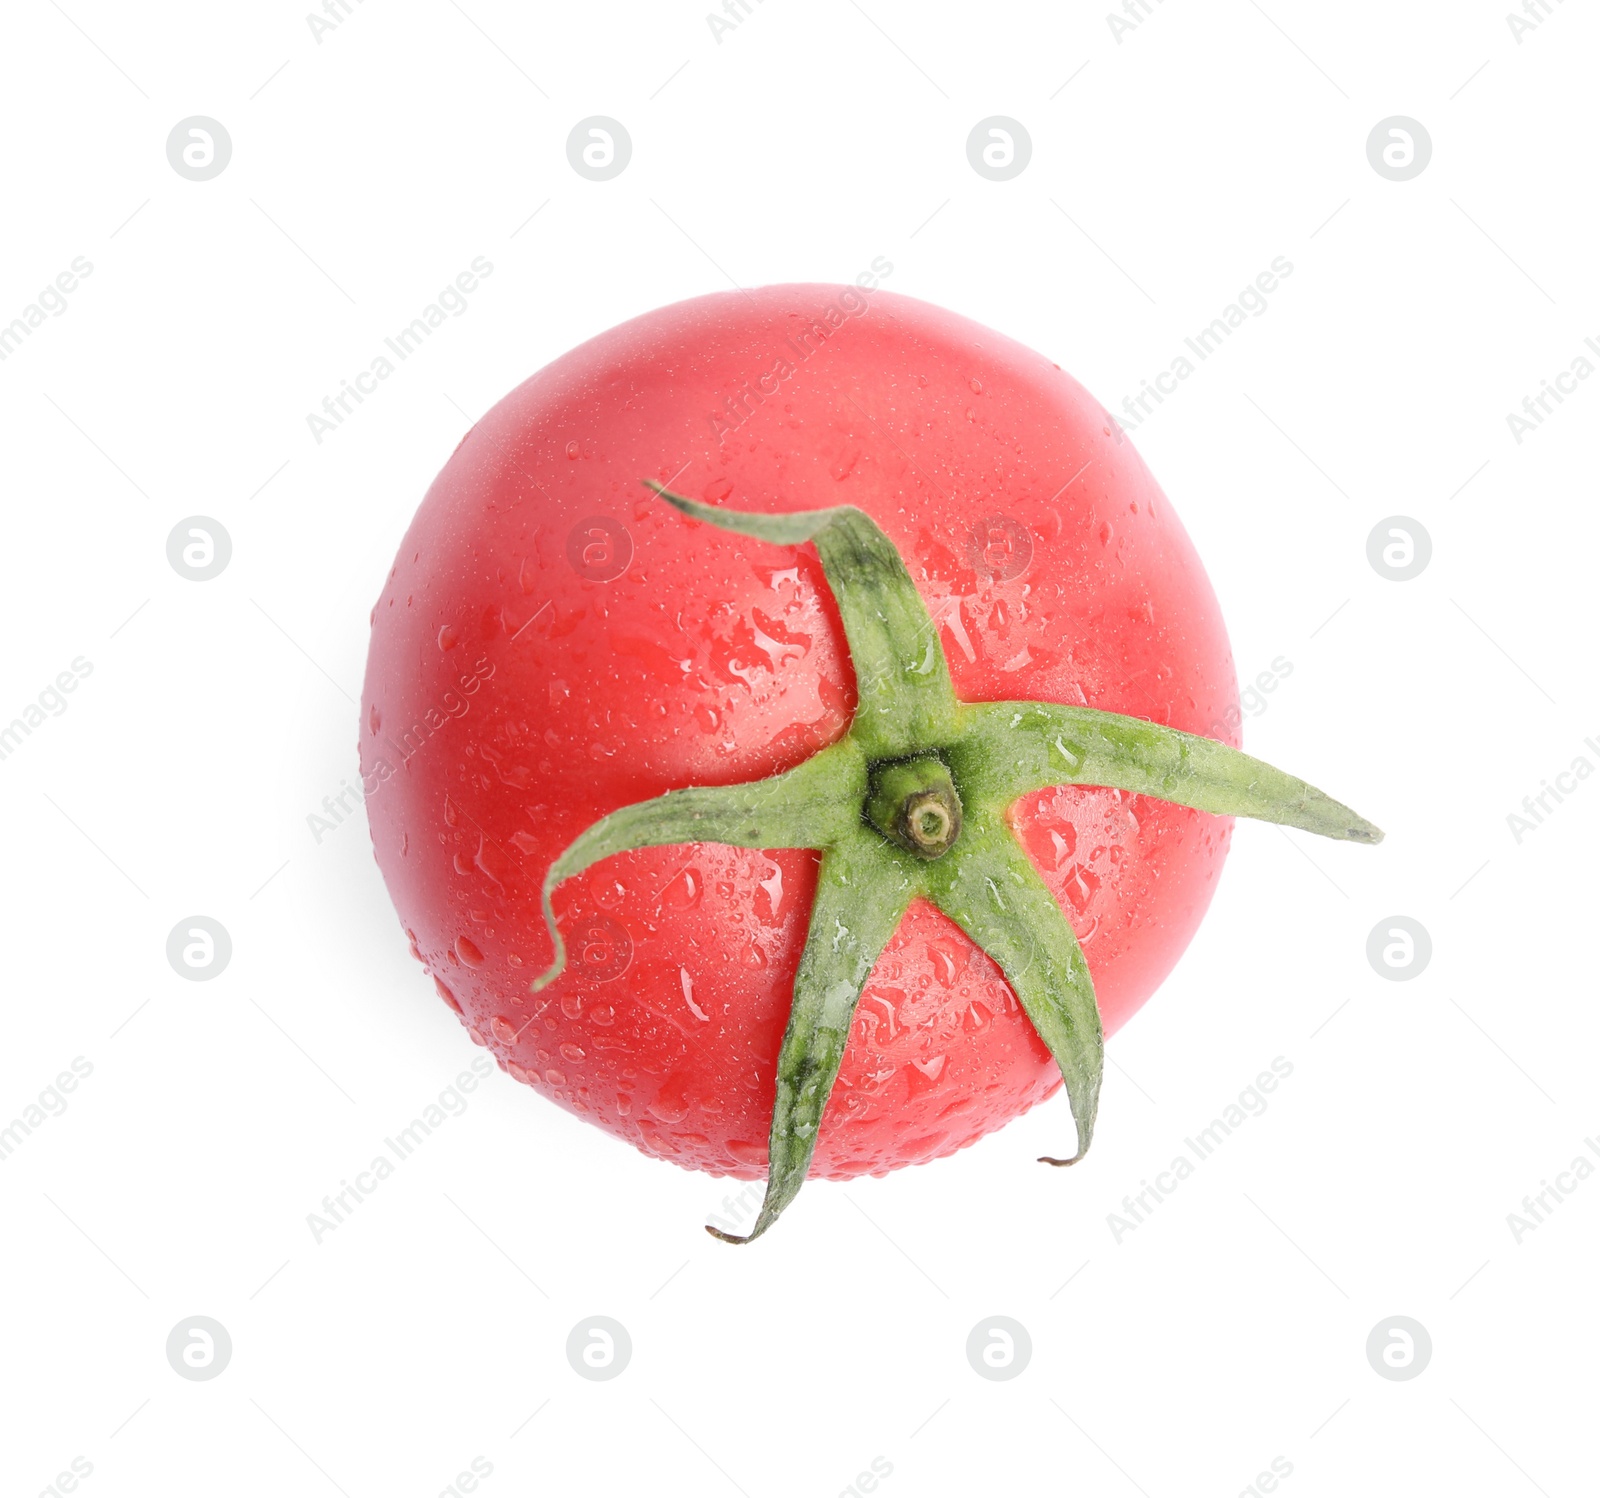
x: 915, y: 805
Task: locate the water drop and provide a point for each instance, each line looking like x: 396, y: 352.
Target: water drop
x: 773, y: 885
x: 1081, y: 887
x: 684, y: 890
x: 686, y: 982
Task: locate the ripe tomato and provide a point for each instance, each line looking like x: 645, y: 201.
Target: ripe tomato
x: 555, y: 643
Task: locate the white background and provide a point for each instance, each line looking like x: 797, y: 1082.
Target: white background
x: 1168, y: 168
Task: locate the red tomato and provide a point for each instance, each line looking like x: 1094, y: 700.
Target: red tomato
x: 554, y: 643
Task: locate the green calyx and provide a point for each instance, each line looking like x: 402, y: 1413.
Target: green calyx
x: 910, y: 804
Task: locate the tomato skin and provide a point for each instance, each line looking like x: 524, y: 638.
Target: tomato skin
x: 517, y: 691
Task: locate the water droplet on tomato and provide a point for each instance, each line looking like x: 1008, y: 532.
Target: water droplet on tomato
x: 477, y: 1037
x: 504, y: 1031
x: 717, y: 490
x: 573, y: 450
x: 447, y: 637
x: 469, y: 951
x: 572, y: 1052
x: 607, y: 890
x: 374, y: 718
x: 447, y: 996
x: 686, y: 983
x: 1081, y: 886
x: 948, y: 960
x: 773, y: 885
x: 684, y: 890
x: 977, y: 386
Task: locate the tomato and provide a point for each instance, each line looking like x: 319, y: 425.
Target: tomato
x: 555, y: 643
